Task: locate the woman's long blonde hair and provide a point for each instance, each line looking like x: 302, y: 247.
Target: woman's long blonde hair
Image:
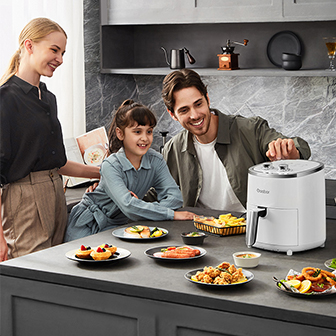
x: 35, y: 30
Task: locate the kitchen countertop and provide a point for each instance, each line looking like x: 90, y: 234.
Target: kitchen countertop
x: 142, y: 277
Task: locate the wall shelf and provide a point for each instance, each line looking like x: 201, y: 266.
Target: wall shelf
x: 264, y: 72
x: 136, y: 49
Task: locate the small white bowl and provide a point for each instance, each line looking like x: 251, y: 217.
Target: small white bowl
x: 246, y: 262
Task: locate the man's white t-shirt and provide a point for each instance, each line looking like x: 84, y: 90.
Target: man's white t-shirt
x: 216, y: 192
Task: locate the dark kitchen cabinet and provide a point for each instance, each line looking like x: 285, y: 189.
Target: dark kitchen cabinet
x: 41, y: 308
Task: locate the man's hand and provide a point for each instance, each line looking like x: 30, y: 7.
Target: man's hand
x: 183, y: 215
x: 282, y: 149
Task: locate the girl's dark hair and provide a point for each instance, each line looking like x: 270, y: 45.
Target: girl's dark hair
x: 178, y: 80
x: 128, y: 114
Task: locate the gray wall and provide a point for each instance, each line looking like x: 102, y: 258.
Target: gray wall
x: 295, y: 106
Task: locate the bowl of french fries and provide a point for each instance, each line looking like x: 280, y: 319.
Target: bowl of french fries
x: 224, y: 225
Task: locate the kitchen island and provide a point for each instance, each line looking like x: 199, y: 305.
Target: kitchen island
x: 45, y: 293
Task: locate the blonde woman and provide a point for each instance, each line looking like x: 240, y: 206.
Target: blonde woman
x: 32, y: 154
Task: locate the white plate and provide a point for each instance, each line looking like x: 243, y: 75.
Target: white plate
x: 150, y: 253
x: 330, y: 291
x: 94, y: 155
x: 120, y: 233
x: 327, y: 264
x: 120, y: 254
x: 249, y: 276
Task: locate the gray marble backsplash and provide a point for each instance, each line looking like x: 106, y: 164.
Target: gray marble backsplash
x: 295, y: 106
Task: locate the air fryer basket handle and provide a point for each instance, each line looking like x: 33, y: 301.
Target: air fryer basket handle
x: 252, y: 224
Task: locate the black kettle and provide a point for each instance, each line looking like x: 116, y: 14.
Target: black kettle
x: 177, y: 58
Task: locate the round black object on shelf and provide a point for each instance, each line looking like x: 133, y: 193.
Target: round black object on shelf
x: 283, y: 42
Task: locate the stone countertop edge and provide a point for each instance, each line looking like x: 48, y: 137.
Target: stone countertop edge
x: 194, y: 300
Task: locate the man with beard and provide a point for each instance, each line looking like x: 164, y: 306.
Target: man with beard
x: 210, y: 158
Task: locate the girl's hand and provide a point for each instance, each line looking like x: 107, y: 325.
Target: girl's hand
x: 92, y: 187
x: 132, y: 193
x: 183, y: 215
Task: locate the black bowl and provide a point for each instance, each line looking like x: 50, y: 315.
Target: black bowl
x: 290, y: 57
x: 291, y: 65
x: 193, y: 240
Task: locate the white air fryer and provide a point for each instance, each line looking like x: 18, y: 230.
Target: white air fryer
x: 286, y: 206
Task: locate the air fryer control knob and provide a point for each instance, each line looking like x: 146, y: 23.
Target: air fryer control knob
x: 267, y: 165
x: 283, y: 167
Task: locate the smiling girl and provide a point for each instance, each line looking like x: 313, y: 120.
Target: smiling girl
x: 129, y: 171
x: 32, y: 154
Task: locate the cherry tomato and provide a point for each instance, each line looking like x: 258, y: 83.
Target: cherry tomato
x: 171, y: 248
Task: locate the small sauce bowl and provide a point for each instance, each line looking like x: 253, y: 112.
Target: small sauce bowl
x: 246, y: 259
x: 193, y: 237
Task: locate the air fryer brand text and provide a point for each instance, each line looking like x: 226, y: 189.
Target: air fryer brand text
x: 262, y: 191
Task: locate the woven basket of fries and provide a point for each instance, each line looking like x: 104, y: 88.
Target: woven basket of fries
x: 225, y: 225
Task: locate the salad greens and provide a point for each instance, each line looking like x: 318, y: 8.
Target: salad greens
x: 333, y: 263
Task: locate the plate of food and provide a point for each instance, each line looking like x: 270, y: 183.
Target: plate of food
x: 177, y: 253
x: 223, y: 275
x: 140, y: 232
x: 102, y: 253
x: 331, y: 264
x: 94, y: 155
x: 309, y: 282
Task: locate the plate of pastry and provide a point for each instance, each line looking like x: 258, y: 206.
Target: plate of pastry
x: 101, y: 253
x: 140, y: 232
x: 176, y: 253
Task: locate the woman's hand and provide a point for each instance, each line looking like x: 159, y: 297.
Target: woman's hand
x: 76, y: 169
x: 3, y: 243
x: 183, y: 215
x: 3, y: 248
